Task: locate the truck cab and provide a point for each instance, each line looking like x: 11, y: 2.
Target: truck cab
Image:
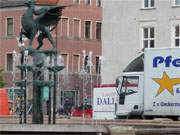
x: 130, y: 95
x: 130, y: 89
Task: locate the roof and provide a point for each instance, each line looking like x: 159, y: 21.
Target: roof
x: 17, y: 3
x: 11, y: 3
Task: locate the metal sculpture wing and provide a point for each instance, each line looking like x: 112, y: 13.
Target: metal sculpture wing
x: 51, y: 17
x: 46, y: 16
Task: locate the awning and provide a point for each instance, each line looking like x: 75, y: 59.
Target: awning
x: 136, y: 65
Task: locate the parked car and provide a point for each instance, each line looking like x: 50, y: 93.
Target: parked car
x: 83, y: 109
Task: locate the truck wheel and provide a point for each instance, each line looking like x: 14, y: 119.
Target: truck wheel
x: 121, y: 117
x: 148, y: 117
x: 143, y: 117
x: 174, y: 118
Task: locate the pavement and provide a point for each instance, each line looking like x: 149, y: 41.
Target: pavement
x: 87, y: 126
x: 160, y: 122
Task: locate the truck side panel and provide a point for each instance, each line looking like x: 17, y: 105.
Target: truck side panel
x: 162, y: 82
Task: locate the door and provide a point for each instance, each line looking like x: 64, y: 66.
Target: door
x: 129, y: 95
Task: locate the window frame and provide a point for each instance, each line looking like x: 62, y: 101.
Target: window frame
x: 79, y: 62
x: 173, y: 32
x: 176, y: 37
x: 86, y: 66
x: 149, y: 4
x: 147, y: 25
x: 97, y: 3
x: 86, y: 3
x: 96, y: 31
x: 6, y: 63
x: 75, y: 2
x: 68, y: 25
x: 67, y: 61
x: 90, y: 29
x: 77, y: 19
x: 10, y: 17
x: 98, y: 67
x: 148, y: 38
x: 174, y: 3
x: 20, y: 18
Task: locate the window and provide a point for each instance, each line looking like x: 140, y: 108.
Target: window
x: 9, y: 62
x: 69, y: 99
x: 98, y: 3
x: 88, y: 2
x: 76, y: 1
x: 65, y: 57
x: 76, y: 63
x: 20, y: 23
x: 176, y: 35
x: 77, y: 28
x: 64, y: 27
x: 86, y: 64
x: 176, y: 2
x: 148, y: 3
x: 148, y: 37
x: 87, y: 29
x: 98, y: 65
x: 124, y: 87
x: 98, y: 31
x: 10, y: 26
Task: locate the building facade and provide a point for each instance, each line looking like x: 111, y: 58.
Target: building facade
x: 129, y: 26
x: 78, y: 37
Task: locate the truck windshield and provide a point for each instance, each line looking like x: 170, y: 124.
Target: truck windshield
x: 126, y: 85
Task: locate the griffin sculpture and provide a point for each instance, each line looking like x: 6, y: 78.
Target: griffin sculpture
x: 45, y: 17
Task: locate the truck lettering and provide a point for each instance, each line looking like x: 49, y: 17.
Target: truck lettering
x: 178, y: 90
x: 169, y: 104
x: 168, y: 61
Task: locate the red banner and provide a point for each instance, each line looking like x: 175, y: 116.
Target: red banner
x: 4, y: 107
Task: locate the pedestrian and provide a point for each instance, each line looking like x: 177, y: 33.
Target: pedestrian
x: 67, y: 108
x: 60, y: 110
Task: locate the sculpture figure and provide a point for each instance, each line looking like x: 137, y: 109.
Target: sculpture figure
x: 46, y: 17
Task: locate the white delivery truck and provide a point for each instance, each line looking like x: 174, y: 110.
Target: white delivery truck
x: 104, y: 97
x: 150, y: 85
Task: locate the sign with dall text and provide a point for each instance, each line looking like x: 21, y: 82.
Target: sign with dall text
x: 104, y: 102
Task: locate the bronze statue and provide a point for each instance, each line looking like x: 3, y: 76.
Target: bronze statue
x: 34, y: 21
x: 46, y: 17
